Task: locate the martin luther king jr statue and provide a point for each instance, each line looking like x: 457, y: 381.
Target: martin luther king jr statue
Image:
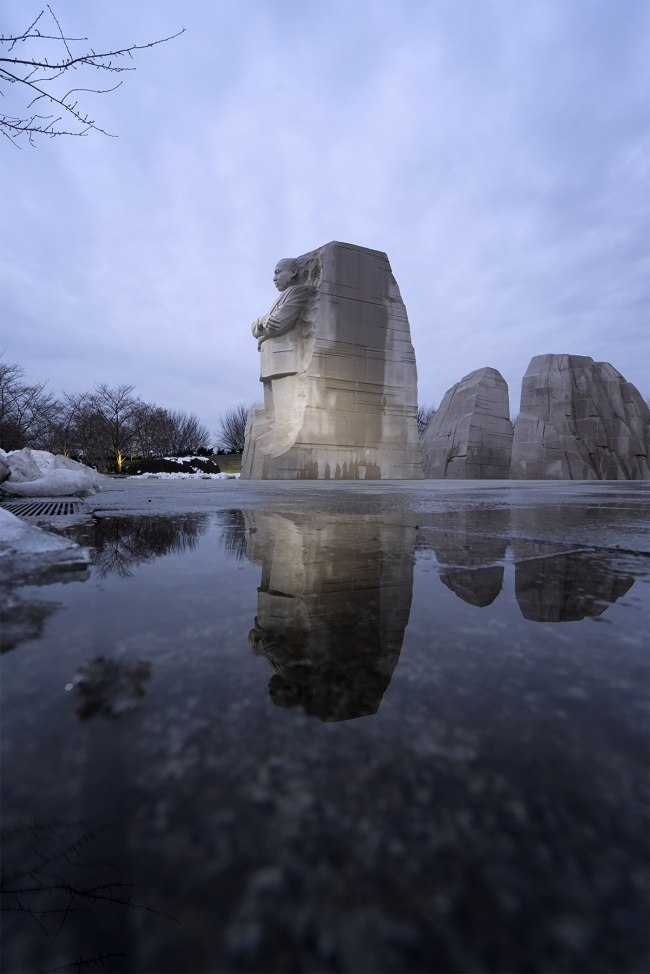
x: 338, y: 371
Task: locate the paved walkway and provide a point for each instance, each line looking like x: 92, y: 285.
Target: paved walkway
x: 600, y: 514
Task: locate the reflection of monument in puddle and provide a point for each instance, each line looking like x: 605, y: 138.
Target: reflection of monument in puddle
x: 551, y: 584
x: 332, y: 608
x: 564, y: 587
x: 554, y: 584
x: 472, y: 563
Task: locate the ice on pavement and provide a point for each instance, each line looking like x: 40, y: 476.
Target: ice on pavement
x: 17, y: 537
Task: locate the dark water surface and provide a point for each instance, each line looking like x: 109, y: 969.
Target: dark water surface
x: 250, y: 741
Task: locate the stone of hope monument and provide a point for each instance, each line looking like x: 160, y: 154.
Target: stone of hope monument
x: 339, y: 375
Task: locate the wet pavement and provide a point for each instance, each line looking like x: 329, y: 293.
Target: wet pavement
x: 335, y: 727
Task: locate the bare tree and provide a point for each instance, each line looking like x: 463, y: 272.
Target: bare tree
x: 102, y: 427
x: 151, y: 430
x: 117, y: 417
x: 232, y: 426
x: 38, y: 63
x: 170, y: 432
x: 186, y: 434
x: 63, y: 435
x: 26, y: 411
x: 424, y: 414
x: 88, y: 434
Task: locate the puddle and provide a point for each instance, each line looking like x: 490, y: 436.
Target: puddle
x: 251, y: 741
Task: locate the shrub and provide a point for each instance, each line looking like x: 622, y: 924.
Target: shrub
x: 163, y: 465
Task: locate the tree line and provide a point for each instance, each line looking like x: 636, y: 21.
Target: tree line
x: 101, y: 428
x: 111, y: 424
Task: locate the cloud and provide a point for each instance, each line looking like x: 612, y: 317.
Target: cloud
x: 498, y: 152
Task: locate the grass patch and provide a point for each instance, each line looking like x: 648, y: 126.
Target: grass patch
x: 230, y: 462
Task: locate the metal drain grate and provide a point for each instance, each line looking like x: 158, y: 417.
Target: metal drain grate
x: 43, y: 508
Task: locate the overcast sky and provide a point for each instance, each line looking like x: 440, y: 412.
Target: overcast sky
x: 496, y: 151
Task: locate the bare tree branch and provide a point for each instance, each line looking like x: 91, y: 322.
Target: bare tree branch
x: 424, y: 414
x: 26, y: 411
x: 37, y: 75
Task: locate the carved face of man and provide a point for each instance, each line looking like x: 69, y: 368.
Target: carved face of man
x: 285, y: 274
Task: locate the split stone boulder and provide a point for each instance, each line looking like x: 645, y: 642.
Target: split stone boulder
x: 338, y: 370
x: 469, y: 437
x: 579, y: 420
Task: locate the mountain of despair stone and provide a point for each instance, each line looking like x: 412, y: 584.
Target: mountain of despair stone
x: 579, y: 420
x: 469, y: 437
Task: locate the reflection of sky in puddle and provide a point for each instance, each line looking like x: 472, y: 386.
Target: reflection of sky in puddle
x: 335, y: 598
x: 334, y: 594
x: 501, y: 710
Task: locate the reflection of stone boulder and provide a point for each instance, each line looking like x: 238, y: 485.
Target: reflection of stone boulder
x: 333, y: 604
x: 564, y: 587
x: 579, y: 420
x: 340, y: 385
x: 469, y: 554
x: 479, y: 587
x: 469, y: 436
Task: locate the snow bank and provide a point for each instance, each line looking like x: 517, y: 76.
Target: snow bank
x: 37, y: 473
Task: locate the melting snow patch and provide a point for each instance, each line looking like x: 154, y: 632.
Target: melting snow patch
x: 188, y: 476
x: 36, y: 473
